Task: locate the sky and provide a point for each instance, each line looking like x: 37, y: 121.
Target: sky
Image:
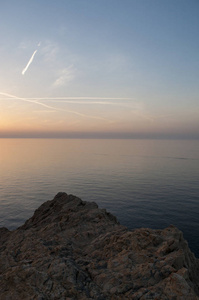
x: 99, y: 68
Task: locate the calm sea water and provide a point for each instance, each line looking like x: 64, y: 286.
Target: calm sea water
x: 145, y: 183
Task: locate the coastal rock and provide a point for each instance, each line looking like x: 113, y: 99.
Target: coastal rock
x: 71, y: 249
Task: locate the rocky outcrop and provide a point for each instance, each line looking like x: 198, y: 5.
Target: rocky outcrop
x: 71, y: 249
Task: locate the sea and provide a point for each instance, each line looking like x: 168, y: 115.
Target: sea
x: 144, y: 183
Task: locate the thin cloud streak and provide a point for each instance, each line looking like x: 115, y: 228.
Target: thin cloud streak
x: 26, y: 100
x: 135, y: 105
x: 28, y: 64
x: 71, y: 100
x: 91, y: 103
x: 83, y: 98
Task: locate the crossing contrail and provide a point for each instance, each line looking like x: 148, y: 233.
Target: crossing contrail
x: 110, y: 101
x: 76, y: 100
x: 88, y: 100
x: 51, y: 107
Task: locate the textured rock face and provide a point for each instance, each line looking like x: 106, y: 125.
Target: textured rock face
x: 71, y: 249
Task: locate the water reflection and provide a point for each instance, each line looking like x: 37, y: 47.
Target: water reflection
x: 145, y: 183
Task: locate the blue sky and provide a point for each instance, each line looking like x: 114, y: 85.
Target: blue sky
x: 99, y: 68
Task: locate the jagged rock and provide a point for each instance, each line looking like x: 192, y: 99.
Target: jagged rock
x: 71, y: 249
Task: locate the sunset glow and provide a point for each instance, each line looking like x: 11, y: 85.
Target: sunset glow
x: 99, y: 69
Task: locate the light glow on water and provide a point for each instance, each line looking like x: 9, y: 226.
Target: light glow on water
x: 145, y: 183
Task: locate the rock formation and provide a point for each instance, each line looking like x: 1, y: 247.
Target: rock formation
x: 71, y: 249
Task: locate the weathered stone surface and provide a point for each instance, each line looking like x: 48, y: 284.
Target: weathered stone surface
x: 71, y: 249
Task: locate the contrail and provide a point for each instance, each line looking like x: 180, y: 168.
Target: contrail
x: 28, y: 64
x: 51, y: 107
x: 72, y: 101
x: 26, y: 100
x: 120, y: 104
x: 30, y: 60
x: 85, y: 98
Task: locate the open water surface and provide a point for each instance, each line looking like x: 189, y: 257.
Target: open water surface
x: 145, y: 183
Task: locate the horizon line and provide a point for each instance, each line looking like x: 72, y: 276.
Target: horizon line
x: 99, y: 135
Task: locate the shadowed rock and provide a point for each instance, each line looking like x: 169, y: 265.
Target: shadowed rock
x: 71, y: 249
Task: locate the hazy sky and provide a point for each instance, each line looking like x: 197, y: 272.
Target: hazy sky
x: 99, y: 68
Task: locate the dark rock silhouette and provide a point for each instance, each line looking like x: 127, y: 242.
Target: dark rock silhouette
x: 71, y: 249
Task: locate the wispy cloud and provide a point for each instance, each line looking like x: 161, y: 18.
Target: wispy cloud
x: 65, y: 75
x: 50, y: 51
